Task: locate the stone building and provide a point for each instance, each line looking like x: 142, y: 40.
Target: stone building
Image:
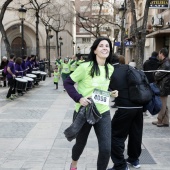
x: 158, y: 27
x: 12, y: 26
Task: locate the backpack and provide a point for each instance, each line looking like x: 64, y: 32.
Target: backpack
x: 138, y: 86
x: 155, y: 105
x: 5, y: 71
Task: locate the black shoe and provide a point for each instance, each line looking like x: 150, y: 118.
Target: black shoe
x: 127, y: 168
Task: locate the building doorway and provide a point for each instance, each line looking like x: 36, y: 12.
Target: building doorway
x: 17, y: 45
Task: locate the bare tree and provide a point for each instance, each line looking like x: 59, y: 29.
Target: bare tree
x: 57, y: 15
x: 3, y: 32
x: 38, y: 6
x: 97, y: 17
x: 140, y: 37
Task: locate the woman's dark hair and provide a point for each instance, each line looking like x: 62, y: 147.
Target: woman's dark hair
x: 114, y: 59
x: 18, y: 60
x: 92, y: 57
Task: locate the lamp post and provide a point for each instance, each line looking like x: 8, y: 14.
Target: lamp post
x: 78, y: 48
x: 74, y: 47
x: 49, y: 36
x: 108, y: 31
x: 61, y: 43
x: 22, y: 13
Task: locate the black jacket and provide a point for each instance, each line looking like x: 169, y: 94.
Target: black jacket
x: 162, y: 77
x: 89, y: 114
x: 151, y: 64
x: 119, y: 82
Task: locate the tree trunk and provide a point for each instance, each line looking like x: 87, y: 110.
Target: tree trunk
x: 4, y: 36
x: 37, y: 36
x: 140, y: 37
x: 57, y: 43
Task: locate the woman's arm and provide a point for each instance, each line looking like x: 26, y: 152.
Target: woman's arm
x: 71, y: 90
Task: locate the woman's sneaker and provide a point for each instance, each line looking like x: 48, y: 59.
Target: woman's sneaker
x: 72, y: 168
x: 135, y: 164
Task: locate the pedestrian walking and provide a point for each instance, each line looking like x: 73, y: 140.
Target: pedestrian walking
x: 93, y: 77
x: 56, y: 76
x: 162, y: 79
x: 65, y: 69
x: 126, y: 122
x: 116, y: 60
x: 73, y: 64
x: 151, y: 64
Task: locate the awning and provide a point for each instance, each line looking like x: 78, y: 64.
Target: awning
x: 159, y: 33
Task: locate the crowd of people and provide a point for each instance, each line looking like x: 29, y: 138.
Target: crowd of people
x: 101, y: 76
x: 104, y: 72
x: 16, y: 67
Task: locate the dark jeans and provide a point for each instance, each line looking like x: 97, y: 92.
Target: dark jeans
x: 103, y: 133
x: 11, y: 90
x: 126, y: 122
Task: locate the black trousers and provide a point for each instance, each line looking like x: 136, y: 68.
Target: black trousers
x: 103, y: 133
x: 11, y: 90
x: 126, y: 123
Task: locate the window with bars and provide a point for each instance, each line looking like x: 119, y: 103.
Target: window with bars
x: 86, y: 40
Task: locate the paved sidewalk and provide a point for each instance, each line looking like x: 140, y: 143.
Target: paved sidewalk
x: 31, y: 134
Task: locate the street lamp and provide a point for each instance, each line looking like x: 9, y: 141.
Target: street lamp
x: 78, y: 48
x: 61, y: 43
x: 22, y: 14
x: 49, y: 36
x: 121, y: 11
x: 74, y: 47
x: 108, y: 31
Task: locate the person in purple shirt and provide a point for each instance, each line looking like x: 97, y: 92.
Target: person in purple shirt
x: 19, y: 72
x: 34, y: 61
x: 29, y: 65
x: 23, y: 64
x: 11, y: 77
x: 18, y: 67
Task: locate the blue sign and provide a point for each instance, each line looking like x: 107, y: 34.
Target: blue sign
x: 128, y: 43
x: 117, y: 44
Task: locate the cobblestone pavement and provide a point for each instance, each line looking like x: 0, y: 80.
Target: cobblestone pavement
x: 31, y: 134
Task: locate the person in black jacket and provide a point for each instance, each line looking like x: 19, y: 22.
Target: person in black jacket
x: 161, y: 77
x: 126, y: 122
x: 151, y: 64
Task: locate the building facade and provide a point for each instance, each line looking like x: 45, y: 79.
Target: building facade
x: 157, y: 31
x: 12, y: 26
x: 87, y: 17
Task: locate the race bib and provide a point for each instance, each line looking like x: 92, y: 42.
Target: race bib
x: 66, y: 69
x: 101, y: 96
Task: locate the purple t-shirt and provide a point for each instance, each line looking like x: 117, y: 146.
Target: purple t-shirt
x: 11, y: 65
x: 18, y: 68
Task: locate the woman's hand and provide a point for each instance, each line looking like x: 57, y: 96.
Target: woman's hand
x: 84, y: 101
x: 114, y: 93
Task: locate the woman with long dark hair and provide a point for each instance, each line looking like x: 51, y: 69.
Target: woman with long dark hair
x: 93, y: 78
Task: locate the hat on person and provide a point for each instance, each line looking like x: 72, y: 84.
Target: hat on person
x: 4, y: 57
